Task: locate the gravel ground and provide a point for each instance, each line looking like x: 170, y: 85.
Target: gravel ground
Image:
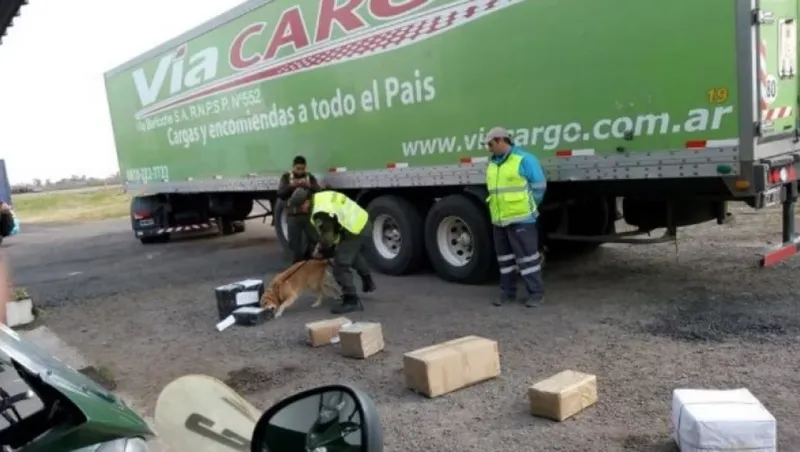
x: 645, y: 320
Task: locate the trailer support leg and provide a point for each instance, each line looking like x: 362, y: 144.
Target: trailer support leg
x: 791, y: 242
x: 788, y: 206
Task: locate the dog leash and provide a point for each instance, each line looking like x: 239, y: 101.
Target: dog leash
x: 301, y: 266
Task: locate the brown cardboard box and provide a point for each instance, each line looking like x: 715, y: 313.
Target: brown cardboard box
x: 563, y: 395
x: 325, y: 332
x: 361, y: 339
x: 451, y: 365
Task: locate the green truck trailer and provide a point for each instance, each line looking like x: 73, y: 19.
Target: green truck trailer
x: 656, y: 112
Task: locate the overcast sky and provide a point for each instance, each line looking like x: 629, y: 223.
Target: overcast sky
x: 53, y: 114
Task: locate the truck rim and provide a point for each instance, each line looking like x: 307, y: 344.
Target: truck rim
x: 386, y: 237
x: 455, y: 242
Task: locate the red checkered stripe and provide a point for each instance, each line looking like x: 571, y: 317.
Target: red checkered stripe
x: 768, y: 114
x: 378, y: 40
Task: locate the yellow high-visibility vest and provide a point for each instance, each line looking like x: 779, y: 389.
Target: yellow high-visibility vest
x: 347, y: 212
x: 510, y: 200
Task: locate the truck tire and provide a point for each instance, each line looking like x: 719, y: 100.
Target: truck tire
x: 458, y: 237
x: 397, y: 243
x: 279, y: 216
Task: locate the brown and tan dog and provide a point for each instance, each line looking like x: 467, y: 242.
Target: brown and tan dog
x: 286, y: 287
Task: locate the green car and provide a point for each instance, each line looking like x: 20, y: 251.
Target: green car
x: 49, y: 406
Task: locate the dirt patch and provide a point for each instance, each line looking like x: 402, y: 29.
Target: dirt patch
x: 101, y: 375
x: 649, y: 443
x: 710, y: 318
x: 249, y: 380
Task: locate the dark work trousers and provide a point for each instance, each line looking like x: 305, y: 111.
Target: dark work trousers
x: 517, y: 248
x: 302, y: 236
x: 350, y: 254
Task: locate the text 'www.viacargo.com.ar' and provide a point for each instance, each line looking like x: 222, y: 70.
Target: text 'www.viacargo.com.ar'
x: 557, y: 136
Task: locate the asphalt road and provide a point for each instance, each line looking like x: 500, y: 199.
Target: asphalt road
x: 645, y: 320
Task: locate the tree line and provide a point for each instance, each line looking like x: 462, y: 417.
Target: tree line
x: 67, y: 183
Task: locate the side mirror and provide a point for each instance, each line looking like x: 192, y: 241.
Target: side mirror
x: 335, y: 418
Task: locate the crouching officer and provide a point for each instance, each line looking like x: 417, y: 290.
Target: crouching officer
x: 342, y: 226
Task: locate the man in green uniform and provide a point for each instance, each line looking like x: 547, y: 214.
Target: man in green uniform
x: 342, y: 226
x: 301, y: 233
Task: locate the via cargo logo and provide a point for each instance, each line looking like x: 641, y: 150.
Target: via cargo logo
x: 188, y: 77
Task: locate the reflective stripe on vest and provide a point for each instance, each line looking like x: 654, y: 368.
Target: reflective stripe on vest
x: 346, y: 211
x: 510, y: 200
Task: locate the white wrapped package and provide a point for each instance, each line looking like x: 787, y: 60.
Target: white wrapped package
x: 714, y: 420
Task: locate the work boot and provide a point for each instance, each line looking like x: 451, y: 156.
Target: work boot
x: 350, y: 303
x: 367, y: 284
x: 503, y: 299
x: 533, y: 302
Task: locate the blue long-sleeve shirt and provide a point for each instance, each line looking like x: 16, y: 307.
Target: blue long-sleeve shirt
x: 531, y: 170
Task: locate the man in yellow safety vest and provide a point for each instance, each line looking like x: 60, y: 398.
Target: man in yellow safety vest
x: 516, y: 184
x: 343, y: 228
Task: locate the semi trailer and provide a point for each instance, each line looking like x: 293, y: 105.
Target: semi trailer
x: 658, y: 113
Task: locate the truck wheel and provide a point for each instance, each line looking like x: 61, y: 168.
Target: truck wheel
x: 458, y: 240
x: 281, y: 226
x: 397, y: 245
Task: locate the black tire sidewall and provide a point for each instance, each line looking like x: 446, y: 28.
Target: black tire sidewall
x: 410, y: 224
x: 480, y: 269
x: 280, y: 206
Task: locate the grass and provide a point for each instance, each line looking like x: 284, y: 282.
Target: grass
x: 72, y: 205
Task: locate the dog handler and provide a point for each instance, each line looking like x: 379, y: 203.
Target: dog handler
x: 343, y: 226
x: 516, y: 185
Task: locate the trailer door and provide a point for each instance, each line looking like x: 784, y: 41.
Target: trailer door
x: 777, y: 67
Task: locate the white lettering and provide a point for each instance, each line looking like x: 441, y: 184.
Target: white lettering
x: 202, y: 68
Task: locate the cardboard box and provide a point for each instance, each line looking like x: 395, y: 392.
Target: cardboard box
x: 361, y: 339
x: 563, y: 395
x: 451, y: 365
x: 231, y: 297
x: 325, y: 332
x: 706, y: 420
